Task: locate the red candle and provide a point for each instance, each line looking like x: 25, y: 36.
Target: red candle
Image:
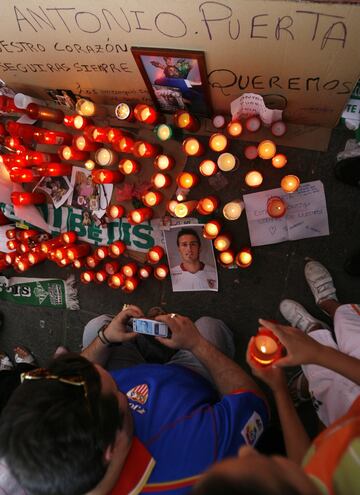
x: 47, y: 246
x: 207, y: 206
x: 140, y: 215
x: 24, y: 247
x: 265, y: 347
x: 130, y: 284
x: 211, y: 229
x: 218, y: 142
x: 251, y: 152
x: 226, y: 258
x: 89, y: 109
x: 39, y: 157
x: 55, y: 169
x: 145, y: 114
x: 145, y: 272
x: 192, y: 147
x: 171, y: 205
x: 10, y: 257
x: 222, y: 242
x: 125, y: 144
x: 81, y: 143
x: 187, y: 180
x: 244, y: 258
x: 116, y: 280
x: 79, y: 263
x: 7, y: 105
x: 143, y: 149
x: 164, y: 162
x: 11, y: 233
x: 73, y: 154
x: 13, y: 244
x: 208, y: 168
x: 100, y: 134
x: 234, y: 128
x: 116, y: 249
x: 186, y: 121
x: 92, y: 261
x: 155, y: 254
x: 100, y: 276
x: 14, y: 143
x: 78, y: 250
x: 106, y: 176
x: 279, y: 161
x: 290, y: 183
x: 276, y: 207
x: 112, y: 267
x: 27, y: 198
x: 266, y: 149
x: 22, y: 265
x: 68, y: 237
x: 278, y: 128
x: 76, y: 121
x: 253, y: 123
x: 21, y: 175
x: 160, y: 180
x: 115, y: 211
x: 87, y: 277
x: 161, y: 272
x: 36, y: 257
x: 129, y: 270
x: 37, y: 112
x: 152, y: 198
x: 114, y: 134
x: 128, y: 166
x: 101, y: 252
x: 61, y: 252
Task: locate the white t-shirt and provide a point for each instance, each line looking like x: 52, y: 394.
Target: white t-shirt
x: 204, y: 279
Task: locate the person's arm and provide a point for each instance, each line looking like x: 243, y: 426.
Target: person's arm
x: 302, y: 349
x: 227, y: 375
x: 115, y: 332
x: 296, y: 439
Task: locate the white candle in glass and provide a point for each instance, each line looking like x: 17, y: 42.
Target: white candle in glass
x: 233, y: 209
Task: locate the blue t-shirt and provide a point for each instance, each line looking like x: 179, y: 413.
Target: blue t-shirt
x: 184, y: 424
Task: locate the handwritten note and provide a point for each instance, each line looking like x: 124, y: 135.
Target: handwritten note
x: 252, y: 104
x: 306, y: 215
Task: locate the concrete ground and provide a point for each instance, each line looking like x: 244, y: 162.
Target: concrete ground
x: 244, y: 295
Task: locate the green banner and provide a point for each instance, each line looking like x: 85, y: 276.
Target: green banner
x: 46, y: 292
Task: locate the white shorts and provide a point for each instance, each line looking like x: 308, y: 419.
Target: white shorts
x: 332, y: 394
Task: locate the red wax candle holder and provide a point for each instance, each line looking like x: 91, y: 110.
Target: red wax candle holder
x: 211, y: 229
x: 192, y: 147
x: 100, y: 277
x: 187, y: 180
x: 115, y: 211
x: 23, y: 175
x: 79, y: 263
x: 106, y: 176
x: 76, y: 121
x: 208, y: 168
x: 128, y: 166
x: 27, y: 198
x: 129, y: 270
x: 130, y: 284
x: 218, y: 142
x: 184, y: 120
x: 161, y: 272
x: 244, y: 258
x: 222, y: 242
x: 140, y: 215
x: 37, y: 112
x: 253, y: 123
x: 116, y: 249
x: 101, y: 134
x: 81, y: 143
x: 160, y: 180
x: 152, y: 198
x: 47, y: 246
x: 39, y: 157
x: 87, y: 277
x: 155, y: 254
x: 164, y: 162
x: 226, y: 258
x: 70, y: 153
x: 276, y: 207
x: 68, y: 237
x: 112, y: 267
x: 116, y: 280
x: 92, y: 261
x: 234, y: 128
x: 36, y: 257
x: 207, y: 206
x: 78, y: 250
x: 145, y: 272
x: 143, y: 149
x: 125, y: 144
x: 101, y: 252
x: 54, y: 169
x: 265, y: 347
x: 11, y: 233
x: 145, y: 114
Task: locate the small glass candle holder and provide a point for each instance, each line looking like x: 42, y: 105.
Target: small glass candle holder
x: 145, y: 272
x: 276, y: 207
x: 123, y: 112
x: 218, y: 121
x: 251, y: 152
x: 155, y: 254
x: 161, y: 272
x: 106, y: 157
x: 116, y: 249
x: 290, y: 183
x: 160, y: 180
x: 211, y: 229
x: 222, y: 242
x: 184, y: 120
x: 234, y: 128
x: 218, y: 142
x: 164, y: 162
x: 253, y: 123
x: 164, y: 132
x: 152, y: 198
x: 207, y: 206
x: 265, y: 347
x: 187, y: 180
x: 192, y: 147
x: 129, y: 167
x: 279, y: 161
x: 182, y: 210
x: 208, y: 168
x: 226, y: 258
x: 278, y: 128
x: 253, y: 178
x: 244, y: 258
x: 233, y: 209
x: 266, y: 149
x: 227, y: 162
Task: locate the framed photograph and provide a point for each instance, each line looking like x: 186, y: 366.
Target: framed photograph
x: 191, y: 259
x: 175, y: 79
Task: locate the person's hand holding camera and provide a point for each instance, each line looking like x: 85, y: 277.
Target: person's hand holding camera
x: 117, y: 330
x: 185, y: 335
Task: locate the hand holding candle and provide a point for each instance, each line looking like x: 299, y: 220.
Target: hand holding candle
x: 265, y: 348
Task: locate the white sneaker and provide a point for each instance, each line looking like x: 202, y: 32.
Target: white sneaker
x: 298, y: 317
x: 320, y: 281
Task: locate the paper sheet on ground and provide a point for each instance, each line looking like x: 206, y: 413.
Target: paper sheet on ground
x: 306, y: 215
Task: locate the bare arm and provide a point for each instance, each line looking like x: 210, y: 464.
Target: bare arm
x: 227, y: 375
x: 339, y: 362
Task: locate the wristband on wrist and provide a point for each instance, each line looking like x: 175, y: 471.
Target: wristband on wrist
x: 102, y: 337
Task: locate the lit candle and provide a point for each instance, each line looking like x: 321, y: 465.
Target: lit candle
x: 234, y: 128
x: 192, y: 147
x: 79, y: 263
x: 47, y: 246
x: 207, y: 168
x: 116, y: 280
x: 222, y: 242
x: 164, y: 132
x: 11, y: 233
x: 253, y: 123
x: 11, y: 257
x: 63, y: 262
x: 182, y: 210
x: 37, y: 112
x: 218, y: 121
x: 78, y: 250
x: 128, y: 166
x: 70, y: 153
x: 207, y: 206
x: 54, y: 169
x: 61, y: 252
x: 115, y: 211
x: 251, y: 152
x: 43, y: 136
x: 106, y: 157
x: 100, y: 276
x: 152, y: 198
x: 123, y: 111
x: 276, y: 207
x: 218, y: 142
x: 130, y: 284
x: 145, y: 114
x: 114, y: 134
x: 171, y: 205
x: 186, y: 121
x: 14, y: 143
x: 161, y: 272
x: 279, y: 161
x: 226, y: 258
x: 160, y: 180
x: 83, y: 144
x: 265, y: 347
x: 92, y: 262
x: 181, y: 194
x: 140, y: 215
x: 76, y: 121
x: 266, y: 149
x: 27, y: 234
x: 100, y: 134
x: 90, y: 164
x: 112, y: 267
x: 68, y: 237
x: 23, y: 264
x: 244, y: 258
x: 12, y: 244
x: 129, y: 270
x: 253, y: 178
x: 27, y: 198
x: 36, y: 257
x: 211, y: 229
x: 116, y: 249
x: 145, y: 272
x: 187, y: 180
x: 24, y: 247
x: 155, y: 254
x: 164, y: 162
x: 23, y: 175
x: 87, y: 108
x: 290, y: 183
x: 106, y: 176
x: 101, y: 252
x: 125, y: 144
x: 87, y: 277
x: 278, y: 128
x: 227, y: 162
x: 143, y: 149
x: 233, y: 209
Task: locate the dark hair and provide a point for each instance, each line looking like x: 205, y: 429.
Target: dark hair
x: 53, y: 437
x: 188, y: 231
x: 216, y: 484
